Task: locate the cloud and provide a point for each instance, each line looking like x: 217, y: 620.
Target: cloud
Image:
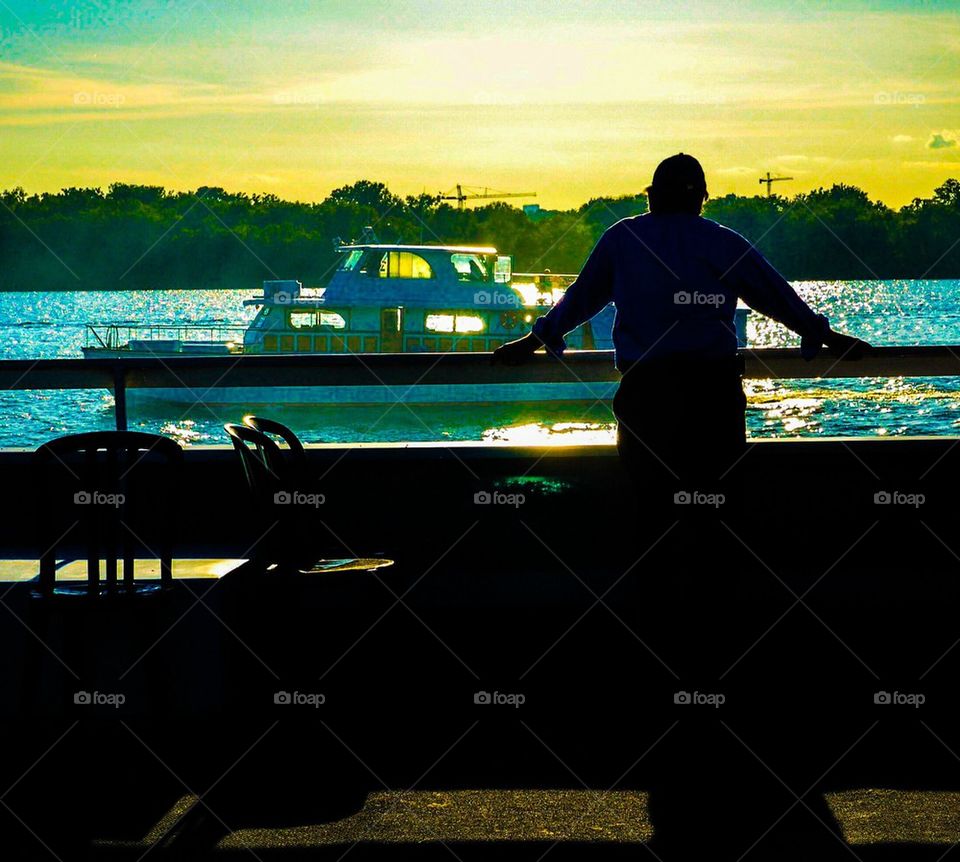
x: 939, y: 142
x: 902, y: 139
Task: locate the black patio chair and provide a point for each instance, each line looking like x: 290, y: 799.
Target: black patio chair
x: 272, y: 476
x: 106, y: 497
x: 262, y: 463
x: 99, y: 493
x: 297, y: 455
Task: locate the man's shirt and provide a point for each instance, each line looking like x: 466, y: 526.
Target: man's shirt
x: 675, y: 281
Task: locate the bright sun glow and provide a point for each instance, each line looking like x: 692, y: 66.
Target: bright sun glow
x: 296, y: 98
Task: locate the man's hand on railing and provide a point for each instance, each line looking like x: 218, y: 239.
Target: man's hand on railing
x: 846, y: 346
x: 517, y: 352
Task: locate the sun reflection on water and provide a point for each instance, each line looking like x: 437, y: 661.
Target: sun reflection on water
x: 556, y: 434
x: 46, y: 325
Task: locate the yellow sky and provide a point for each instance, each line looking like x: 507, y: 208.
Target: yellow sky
x: 573, y: 100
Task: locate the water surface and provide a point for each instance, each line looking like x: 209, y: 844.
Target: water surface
x: 46, y: 325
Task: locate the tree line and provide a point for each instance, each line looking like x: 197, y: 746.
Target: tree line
x: 139, y: 236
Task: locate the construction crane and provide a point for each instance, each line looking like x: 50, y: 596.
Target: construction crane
x: 771, y: 180
x: 471, y: 193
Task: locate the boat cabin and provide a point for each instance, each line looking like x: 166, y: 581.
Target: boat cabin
x: 403, y: 299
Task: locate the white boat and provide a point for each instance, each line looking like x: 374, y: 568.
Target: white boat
x: 382, y: 298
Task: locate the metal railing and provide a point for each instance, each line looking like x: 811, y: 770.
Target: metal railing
x: 403, y: 370
x: 114, y: 336
x: 563, y: 279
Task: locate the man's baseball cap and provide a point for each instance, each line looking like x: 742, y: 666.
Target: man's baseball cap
x: 679, y: 172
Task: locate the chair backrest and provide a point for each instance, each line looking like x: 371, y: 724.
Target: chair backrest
x: 260, y: 458
x: 273, y: 476
x: 278, y: 429
x: 102, y: 491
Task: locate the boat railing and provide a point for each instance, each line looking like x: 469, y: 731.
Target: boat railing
x: 400, y: 371
x: 543, y: 288
x: 115, y: 336
x: 560, y: 279
x: 546, y: 282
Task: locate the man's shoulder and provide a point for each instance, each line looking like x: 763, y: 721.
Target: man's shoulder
x: 722, y: 233
x: 707, y: 231
x: 647, y: 220
x: 629, y: 223
x: 636, y: 227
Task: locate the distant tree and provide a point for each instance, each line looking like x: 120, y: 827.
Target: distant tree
x: 13, y: 198
x: 211, y: 194
x: 929, y: 229
x: 73, y: 200
x: 141, y: 236
x: 375, y: 196
x: 601, y: 213
x: 151, y: 196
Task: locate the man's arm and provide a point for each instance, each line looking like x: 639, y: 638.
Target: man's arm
x: 592, y: 290
x: 764, y: 289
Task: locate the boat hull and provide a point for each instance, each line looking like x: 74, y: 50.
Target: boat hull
x: 341, y: 396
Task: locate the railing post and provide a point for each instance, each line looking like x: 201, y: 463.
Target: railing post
x: 120, y: 397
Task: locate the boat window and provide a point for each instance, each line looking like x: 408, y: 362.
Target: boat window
x: 404, y: 264
x: 502, y: 269
x: 260, y: 320
x: 351, y: 260
x: 439, y: 322
x: 469, y: 267
x: 302, y: 319
x: 469, y: 323
x: 332, y: 319
x: 450, y: 322
x: 316, y: 320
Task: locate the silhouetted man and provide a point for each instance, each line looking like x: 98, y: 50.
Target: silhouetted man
x: 675, y: 279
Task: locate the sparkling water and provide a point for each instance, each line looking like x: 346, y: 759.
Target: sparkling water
x: 47, y: 325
